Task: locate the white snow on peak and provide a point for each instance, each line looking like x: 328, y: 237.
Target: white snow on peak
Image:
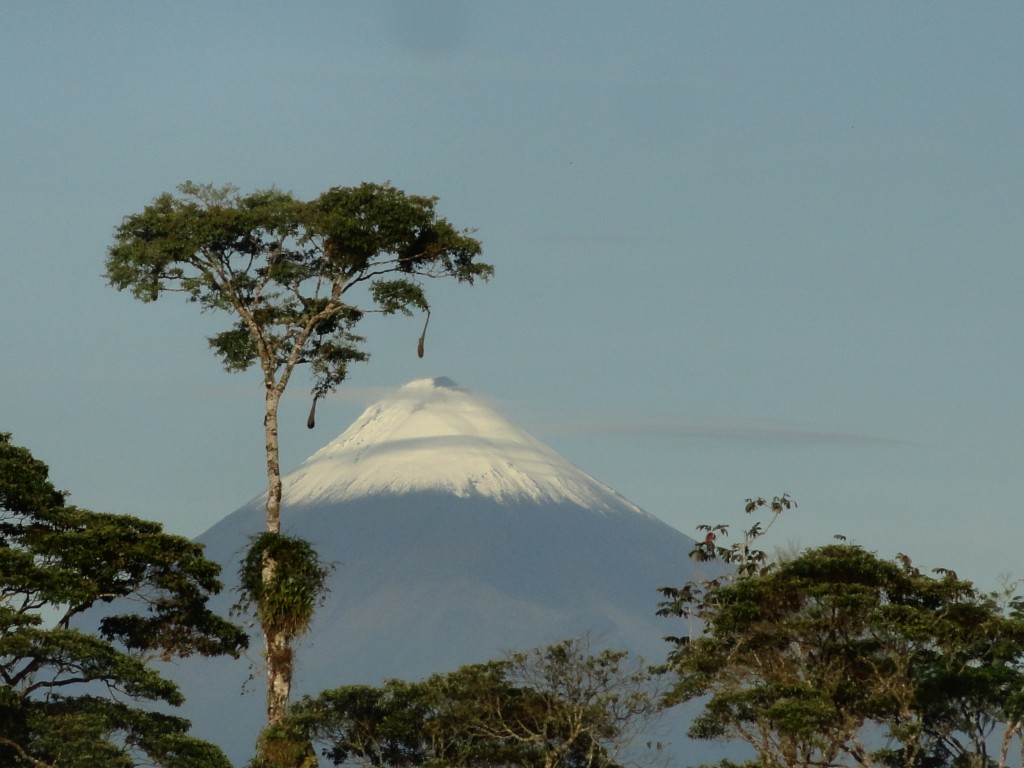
x: 433, y: 435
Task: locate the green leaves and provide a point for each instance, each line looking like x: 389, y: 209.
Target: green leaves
x: 693, y: 600
x: 407, y: 723
x: 800, y: 659
x: 56, y: 563
x: 235, y: 347
x: 285, y: 268
x: 398, y: 295
x: 283, y: 579
x: 94, y: 732
x: 24, y: 483
x: 556, y: 706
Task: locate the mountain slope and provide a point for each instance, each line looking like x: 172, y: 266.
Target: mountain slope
x: 455, y: 536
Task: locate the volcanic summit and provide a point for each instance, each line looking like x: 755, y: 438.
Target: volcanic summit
x: 434, y: 436
x: 455, y: 536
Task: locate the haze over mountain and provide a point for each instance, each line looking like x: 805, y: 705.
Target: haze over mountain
x: 455, y: 536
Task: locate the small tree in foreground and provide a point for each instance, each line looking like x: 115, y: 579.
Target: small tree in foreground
x: 558, y: 706
x: 289, y: 273
x: 70, y: 698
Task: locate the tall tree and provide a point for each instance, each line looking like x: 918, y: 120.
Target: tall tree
x: 57, y: 562
x: 289, y: 272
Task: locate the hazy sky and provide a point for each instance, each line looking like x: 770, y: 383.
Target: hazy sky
x: 741, y: 248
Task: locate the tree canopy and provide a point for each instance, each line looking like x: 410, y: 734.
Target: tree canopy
x: 838, y: 657
x: 563, y: 705
x: 71, y: 697
x: 286, y: 268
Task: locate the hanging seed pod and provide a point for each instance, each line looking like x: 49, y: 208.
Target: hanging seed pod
x: 311, y: 421
x: 423, y: 336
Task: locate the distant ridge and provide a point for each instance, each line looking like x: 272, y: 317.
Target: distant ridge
x: 456, y: 537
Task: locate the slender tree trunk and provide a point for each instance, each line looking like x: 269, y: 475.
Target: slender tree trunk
x: 1004, y: 751
x: 279, y: 675
x: 276, y: 643
x: 273, y: 399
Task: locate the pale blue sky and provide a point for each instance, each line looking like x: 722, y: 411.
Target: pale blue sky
x: 741, y: 248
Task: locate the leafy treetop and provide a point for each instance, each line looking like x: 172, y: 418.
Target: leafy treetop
x: 805, y: 660
x: 285, y: 267
x: 560, y: 706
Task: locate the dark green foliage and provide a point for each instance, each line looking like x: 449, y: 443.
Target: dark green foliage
x: 285, y: 268
x: 411, y: 723
x: 281, y: 744
x: 742, y: 558
x: 285, y: 599
x: 559, y: 706
x: 802, y: 659
x: 56, y: 562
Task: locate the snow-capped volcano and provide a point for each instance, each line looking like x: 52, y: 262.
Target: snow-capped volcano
x: 432, y: 435
x: 455, y: 536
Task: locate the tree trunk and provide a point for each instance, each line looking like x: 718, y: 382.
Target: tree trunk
x: 275, y: 642
x: 273, y: 399
x: 1004, y: 750
x: 279, y: 673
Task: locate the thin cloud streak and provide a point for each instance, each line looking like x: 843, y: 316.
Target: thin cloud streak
x: 729, y: 430
x: 709, y: 429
